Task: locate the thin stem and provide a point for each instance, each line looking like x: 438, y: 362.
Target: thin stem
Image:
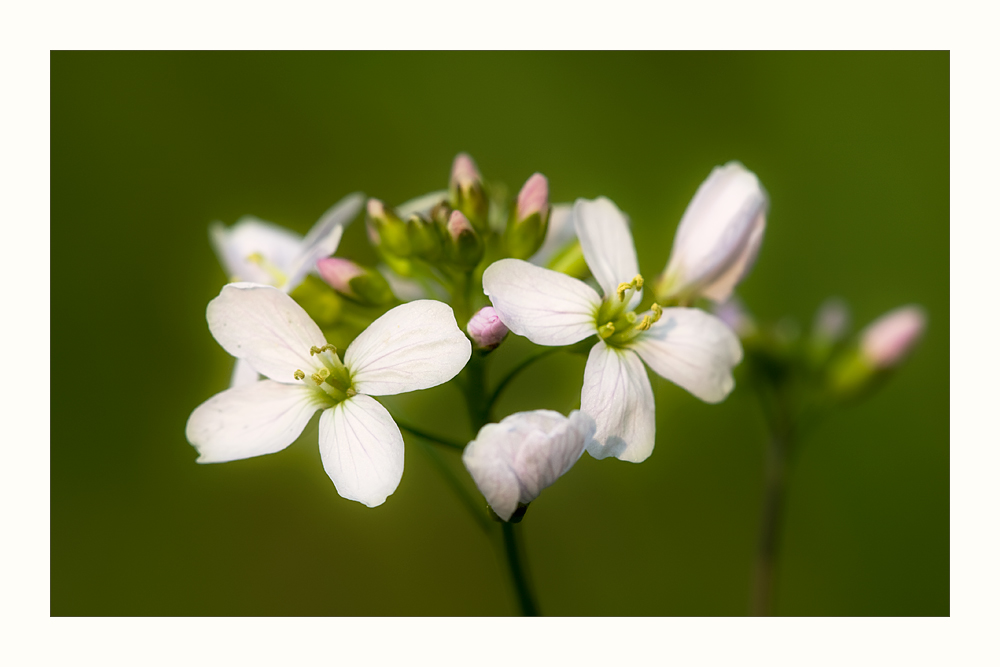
x: 518, y: 571
x: 514, y: 373
x: 428, y: 437
x: 474, y: 508
x: 771, y: 523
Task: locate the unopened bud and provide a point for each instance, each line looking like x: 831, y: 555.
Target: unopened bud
x: 425, y: 239
x: 529, y: 220
x: 356, y: 282
x: 886, y: 341
x: 465, y: 248
x: 486, y: 329
x: 388, y: 229
x: 467, y: 193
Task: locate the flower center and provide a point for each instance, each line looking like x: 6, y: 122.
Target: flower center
x: 616, y: 324
x: 332, y: 378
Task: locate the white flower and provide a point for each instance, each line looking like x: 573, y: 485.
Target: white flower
x: 511, y: 462
x: 261, y: 252
x: 686, y: 346
x: 718, y: 238
x: 413, y: 346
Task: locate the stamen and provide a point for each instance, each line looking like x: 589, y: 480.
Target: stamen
x: 350, y: 392
x: 657, y: 312
x: 636, y: 285
x: 298, y: 374
x: 317, y: 350
x: 630, y: 317
x: 320, y: 376
x: 645, y: 324
x: 606, y: 331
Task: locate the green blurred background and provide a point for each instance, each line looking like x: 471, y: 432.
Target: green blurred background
x: 149, y: 148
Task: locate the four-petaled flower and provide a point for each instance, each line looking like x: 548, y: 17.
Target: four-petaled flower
x: 511, y: 462
x: 414, y: 346
x: 687, y: 346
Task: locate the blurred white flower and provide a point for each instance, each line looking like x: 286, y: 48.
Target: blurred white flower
x: 718, y: 238
x: 256, y: 251
x: 689, y: 347
x: 511, y: 462
x: 413, y: 346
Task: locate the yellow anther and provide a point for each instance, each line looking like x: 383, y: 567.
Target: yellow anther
x: 316, y: 350
x: 622, y: 288
x: 657, y: 312
x: 645, y: 324
x: 637, y: 282
x: 298, y: 374
x: 630, y: 317
x: 350, y: 392
x: 320, y: 376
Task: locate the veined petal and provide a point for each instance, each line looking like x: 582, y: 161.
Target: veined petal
x: 362, y: 450
x: 546, y: 307
x: 617, y: 394
x: 413, y: 346
x: 560, y: 233
x: 721, y: 287
x: 266, y: 327
x: 607, y: 243
x: 243, y: 374
x: 692, y: 349
x: 251, y: 236
x: 323, y: 239
x: 259, y: 418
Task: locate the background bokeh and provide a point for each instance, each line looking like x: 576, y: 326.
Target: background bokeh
x: 149, y: 148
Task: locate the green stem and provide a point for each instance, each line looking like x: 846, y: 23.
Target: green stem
x: 771, y: 524
x: 475, y: 509
x: 430, y: 438
x: 475, y: 392
x: 518, y: 571
x: 514, y: 373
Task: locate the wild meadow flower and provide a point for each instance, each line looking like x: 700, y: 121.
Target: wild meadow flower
x: 256, y: 251
x: 513, y: 461
x: 414, y: 346
x: 718, y: 237
x: 689, y: 347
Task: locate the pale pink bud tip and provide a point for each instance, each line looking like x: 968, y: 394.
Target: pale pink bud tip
x: 376, y: 209
x: 338, y: 272
x: 457, y: 224
x: 534, y: 197
x: 486, y: 329
x: 463, y: 171
x: 888, y: 339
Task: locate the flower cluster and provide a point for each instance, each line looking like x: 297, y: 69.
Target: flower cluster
x: 459, y: 269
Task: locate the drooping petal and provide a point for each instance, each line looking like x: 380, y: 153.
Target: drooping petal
x: 513, y: 461
x: 243, y: 374
x: 692, y: 349
x: 324, y: 237
x: 617, y: 394
x: 259, y: 418
x: 362, y: 450
x: 546, y: 307
x: 267, y: 328
x: 413, y: 346
x: 719, y: 235
x: 607, y: 243
x: 248, y: 237
x: 560, y: 233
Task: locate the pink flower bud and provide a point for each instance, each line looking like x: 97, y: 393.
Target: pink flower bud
x: 338, y: 273
x: 533, y: 197
x: 887, y: 340
x: 458, y: 224
x: 376, y: 209
x: 486, y: 329
x: 464, y: 172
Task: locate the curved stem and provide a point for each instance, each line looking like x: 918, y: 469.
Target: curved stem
x: 514, y: 373
x: 518, y: 571
x: 474, y: 508
x: 428, y: 437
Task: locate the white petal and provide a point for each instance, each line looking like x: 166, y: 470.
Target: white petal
x: 362, y: 450
x: 546, y: 307
x: 692, y: 349
x: 413, y: 346
x: 560, y: 233
x: 243, y: 374
x: 251, y: 236
x: 514, y: 460
x: 259, y: 418
x: 607, y: 243
x: 267, y: 328
x: 617, y: 394
x: 421, y: 205
x: 323, y: 239
x: 719, y: 234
